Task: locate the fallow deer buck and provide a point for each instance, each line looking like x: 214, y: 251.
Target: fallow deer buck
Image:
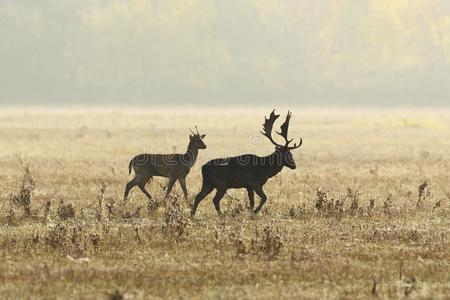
x: 172, y: 166
x: 247, y: 171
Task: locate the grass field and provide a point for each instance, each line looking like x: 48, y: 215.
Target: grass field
x: 347, y: 223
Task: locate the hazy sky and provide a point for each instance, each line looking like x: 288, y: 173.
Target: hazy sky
x: 225, y: 51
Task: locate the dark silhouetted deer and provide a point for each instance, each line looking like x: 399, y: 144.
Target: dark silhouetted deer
x: 247, y: 171
x: 172, y: 166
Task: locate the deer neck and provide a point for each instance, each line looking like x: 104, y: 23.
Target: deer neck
x: 275, y: 163
x: 191, y: 154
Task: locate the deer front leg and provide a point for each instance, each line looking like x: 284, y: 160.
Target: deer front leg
x: 259, y: 191
x: 183, y: 187
x: 251, y: 198
x: 170, y: 186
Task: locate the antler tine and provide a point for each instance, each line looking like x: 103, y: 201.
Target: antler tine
x: 268, y: 125
x: 191, y: 131
x: 197, y: 130
x: 285, y: 128
x: 296, y: 146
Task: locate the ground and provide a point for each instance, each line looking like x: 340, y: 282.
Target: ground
x: 365, y: 214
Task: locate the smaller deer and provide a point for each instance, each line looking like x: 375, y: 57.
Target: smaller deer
x: 172, y: 166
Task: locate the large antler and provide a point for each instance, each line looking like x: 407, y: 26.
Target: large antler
x: 295, y: 145
x: 284, y: 133
x: 268, y: 125
x: 285, y: 128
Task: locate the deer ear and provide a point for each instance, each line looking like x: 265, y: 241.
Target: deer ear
x: 203, y: 136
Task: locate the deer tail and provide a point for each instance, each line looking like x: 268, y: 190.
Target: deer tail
x: 130, y: 165
x: 206, y: 174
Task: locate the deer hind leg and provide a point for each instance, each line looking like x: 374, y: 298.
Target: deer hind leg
x: 259, y: 191
x: 219, y: 195
x: 170, y: 186
x: 203, y: 193
x: 128, y: 188
x: 141, y: 186
x: 140, y: 180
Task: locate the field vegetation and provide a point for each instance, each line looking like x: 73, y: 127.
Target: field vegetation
x: 365, y: 214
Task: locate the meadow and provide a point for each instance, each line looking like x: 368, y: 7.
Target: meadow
x: 365, y: 214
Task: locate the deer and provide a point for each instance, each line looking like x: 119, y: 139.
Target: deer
x: 248, y: 171
x: 172, y: 166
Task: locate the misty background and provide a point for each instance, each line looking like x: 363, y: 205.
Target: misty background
x: 387, y: 52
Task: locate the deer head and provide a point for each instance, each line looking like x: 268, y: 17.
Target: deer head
x: 285, y: 149
x: 196, y: 139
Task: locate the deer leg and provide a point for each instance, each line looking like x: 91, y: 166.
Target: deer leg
x: 146, y: 193
x: 217, y: 198
x: 203, y: 193
x: 251, y: 198
x: 128, y: 188
x: 170, y: 186
x: 259, y: 191
x: 141, y: 182
x: 183, y: 186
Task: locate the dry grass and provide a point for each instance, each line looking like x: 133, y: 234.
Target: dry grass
x: 366, y: 214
